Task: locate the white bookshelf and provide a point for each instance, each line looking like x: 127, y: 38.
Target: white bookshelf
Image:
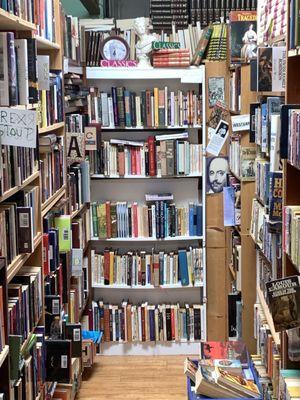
x: 133, y: 188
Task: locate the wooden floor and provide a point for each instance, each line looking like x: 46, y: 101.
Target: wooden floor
x: 135, y: 378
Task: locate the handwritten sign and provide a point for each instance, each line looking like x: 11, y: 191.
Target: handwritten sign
x: 18, y: 127
x: 240, y: 123
x: 43, y: 64
x: 90, y: 137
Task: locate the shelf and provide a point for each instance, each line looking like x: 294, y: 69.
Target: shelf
x: 81, y: 209
x: 234, y: 112
x: 294, y: 52
x: 16, y: 189
x: 19, y: 261
x: 146, y: 239
x: 99, y: 176
x: 279, y: 94
x: 50, y: 128
x: 4, y: 353
x: 27, y: 107
x: 268, y: 316
x: 277, y: 39
x: 12, y: 22
x: 161, y: 287
x: 45, y: 44
x: 232, y: 271
x: 234, y: 174
x: 185, y: 75
x: 259, y: 200
x: 149, y: 128
x: 46, y: 207
x: 292, y: 165
x: 73, y: 109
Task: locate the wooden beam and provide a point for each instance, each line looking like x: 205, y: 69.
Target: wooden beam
x: 92, y: 6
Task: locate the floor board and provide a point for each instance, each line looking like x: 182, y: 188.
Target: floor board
x: 135, y: 378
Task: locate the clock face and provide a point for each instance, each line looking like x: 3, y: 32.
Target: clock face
x: 115, y: 50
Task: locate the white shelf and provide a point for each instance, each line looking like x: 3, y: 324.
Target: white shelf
x: 150, y: 128
x: 148, y: 287
x: 100, y: 176
x: 185, y: 75
x: 147, y: 239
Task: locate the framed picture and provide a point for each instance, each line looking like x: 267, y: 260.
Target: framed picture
x: 216, y: 90
x: 217, y: 170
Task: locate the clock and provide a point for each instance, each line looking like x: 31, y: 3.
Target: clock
x: 114, y: 48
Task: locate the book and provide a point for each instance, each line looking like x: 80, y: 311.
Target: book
x: 190, y: 369
x: 58, y: 360
x: 63, y: 224
x: 248, y: 155
x: 243, y: 36
x: 270, y: 69
x: 225, y: 350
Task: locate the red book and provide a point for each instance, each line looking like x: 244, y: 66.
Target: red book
x: 133, y: 160
x: 90, y: 314
x: 75, y: 235
x: 143, y: 324
x: 106, y: 266
x: 135, y: 230
x: 172, y: 324
x: 108, y: 220
x: 106, y: 325
x: 171, y: 51
x: 46, y: 263
x: 138, y: 161
x: 151, y: 147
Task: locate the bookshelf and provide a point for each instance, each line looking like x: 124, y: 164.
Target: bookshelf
x: 133, y: 188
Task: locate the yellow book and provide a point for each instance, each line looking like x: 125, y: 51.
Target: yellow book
x: 111, y: 267
x: 156, y: 111
x: 44, y: 109
x: 101, y: 214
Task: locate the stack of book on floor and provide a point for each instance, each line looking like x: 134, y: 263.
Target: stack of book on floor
x: 223, y: 371
x: 171, y: 58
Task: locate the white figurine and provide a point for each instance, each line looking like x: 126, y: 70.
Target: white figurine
x: 144, y: 44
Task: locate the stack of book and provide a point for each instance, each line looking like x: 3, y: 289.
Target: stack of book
x: 13, y: 168
x: 166, y: 58
x: 179, y: 268
x: 150, y: 109
x: 52, y: 101
x: 148, y: 323
x: 159, y: 219
x: 75, y: 123
x: 164, y: 15
x: 276, y: 11
x: 18, y: 85
x: 217, y: 46
x: 224, y: 371
x: 75, y: 94
x: 52, y: 164
x: 159, y: 156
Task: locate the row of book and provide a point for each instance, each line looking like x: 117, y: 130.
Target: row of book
x: 16, y: 165
x: 18, y: 84
x: 168, y: 157
x: 293, y: 137
x: 179, y: 268
x: 25, y: 301
x: 79, y: 185
x: 149, y: 323
x: 181, y: 13
x: 38, y: 12
x: 19, y: 223
x: 235, y: 90
x: 51, y: 149
x: 52, y: 101
x: 171, y: 58
x: 3, y: 304
x: 132, y: 220
x: 150, y: 109
x: 242, y: 159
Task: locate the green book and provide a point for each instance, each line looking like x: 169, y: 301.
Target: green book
x: 95, y: 220
x: 63, y: 224
x: 15, y: 343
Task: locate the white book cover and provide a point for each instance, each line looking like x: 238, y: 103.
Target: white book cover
x: 105, y: 111
x: 138, y: 111
x: 110, y: 112
x: 22, y: 64
x: 278, y: 69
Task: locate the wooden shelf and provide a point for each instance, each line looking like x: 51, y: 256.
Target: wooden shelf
x: 150, y: 128
x: 11, y: 22
x: 82, y: 208
x: 19, y: 261
x: 234, y: 112
x: 268, y: 316
x: 232, y: 271
x: 50, y: 128
x: 45, y: 44
x: 236, y: 176
x: 27, y: 107
x: 3, y: 355
x: 103, y: 177
x: 16, y: 189
x: 73, y: 109
x: 146, y: 239
x: 160, y: 288
x: 279, y: 94
x: 46, y: 207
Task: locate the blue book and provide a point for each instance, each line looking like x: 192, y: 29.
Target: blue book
x: 199, y: 220
x: 152, y: 324
x: 128, y: 122
x: 183, y: 267
x: 264, y: 127
x: 195, y: 220
x: 166, y: 214
x: 191, y: 220
x: 275, y: 196
x: 53, y: 249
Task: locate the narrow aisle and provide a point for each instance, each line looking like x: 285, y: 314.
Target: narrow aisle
x: 135, y: 378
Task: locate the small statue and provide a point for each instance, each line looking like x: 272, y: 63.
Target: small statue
x: 144, y: 44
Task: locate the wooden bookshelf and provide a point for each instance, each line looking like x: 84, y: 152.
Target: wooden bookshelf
x: 16, y: 189
x: 3, y: 355
x: 48, y: 204
x: 10, y: 22
x: 276, y: 335
x: 45, y: 44
x: 50, y: 128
